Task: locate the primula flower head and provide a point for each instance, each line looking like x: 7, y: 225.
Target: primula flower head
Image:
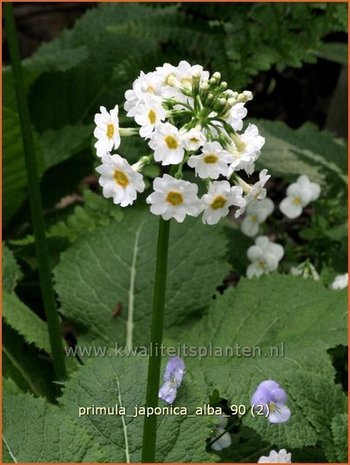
x: 173, y: 376
x: 189, y: 119
x: 272, y: 398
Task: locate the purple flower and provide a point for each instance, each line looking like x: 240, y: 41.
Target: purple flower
x: 273, y: 398
x: 173, y: 375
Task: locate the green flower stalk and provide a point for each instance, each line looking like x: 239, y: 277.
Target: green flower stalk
x: 150, y: 422
x: 47, y: 290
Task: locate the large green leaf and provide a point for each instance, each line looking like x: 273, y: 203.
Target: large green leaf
x: 116, y: 264
x: 122, y: 380
x: 307, y: 150
x: 35, y: 431
x: 71, y: 436
x: 286, y: 324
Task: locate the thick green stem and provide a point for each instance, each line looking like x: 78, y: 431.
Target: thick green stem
x: 150, y: 423
x: 47, y: 291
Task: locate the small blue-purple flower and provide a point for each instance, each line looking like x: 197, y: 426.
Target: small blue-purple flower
x: 273, y: 398
x: 173, y: 375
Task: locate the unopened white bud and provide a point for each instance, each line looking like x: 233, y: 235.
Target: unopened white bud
x: 217, y: 76
x: 248, y: 95
x: 204, y: 86
x: 222, y: 101
x: 231, y: 101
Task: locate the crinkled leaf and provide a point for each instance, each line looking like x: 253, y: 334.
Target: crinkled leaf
x: 286, y: 324
x: 307, y: 150
x: 116, y: 264
x: 35, y: 431
x: 122, y: 380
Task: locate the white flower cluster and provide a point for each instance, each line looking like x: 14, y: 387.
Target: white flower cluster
x: 299, y: 195
x: 265, y: 257
x: 188, y: 118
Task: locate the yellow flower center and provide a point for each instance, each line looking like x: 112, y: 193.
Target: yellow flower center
x: 239, y: 143
x: 186, y: 82
x: 120, y: 178
x: 272, y: 407
x: 152, y: 116
x: 170, y: 80
x: 171, y: 142
x: 150, y: 90
x: 297, y: 201
x: 254, y: 219
x: 211, y: 158
x: 218, y: 202
x: 174, y: 198
x: 194, y: 140
x: 110, y: 130
x: 262, y: 265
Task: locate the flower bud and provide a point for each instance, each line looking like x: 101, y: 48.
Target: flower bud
x: 217, y: 76
x: 231, y: 101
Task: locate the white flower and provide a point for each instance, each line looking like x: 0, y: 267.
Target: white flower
x: 235, y: 116
x: 119, y: 180
x: 106, y: 131
x: 305, y: 270
x: 212, y: 162
x: 219, y: 198
x: 150, y: 113
x: 166, y: 142
x: 193, y: 139
x: 264, y: 255
x: 145, y: 84
x: 223, y: 437
x: 254, y: 192
x: 257, y: 212
x: 277, y: 457
x: 340, y: 281
x: 245, y: 149
x: 299, y: 194
x: 174, y: 78
x: 174, y: 198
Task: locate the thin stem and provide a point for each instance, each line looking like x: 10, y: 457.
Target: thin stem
x: 150, y: 422
x: 47, y: 291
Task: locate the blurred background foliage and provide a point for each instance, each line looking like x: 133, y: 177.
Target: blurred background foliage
x: 290, y: 55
